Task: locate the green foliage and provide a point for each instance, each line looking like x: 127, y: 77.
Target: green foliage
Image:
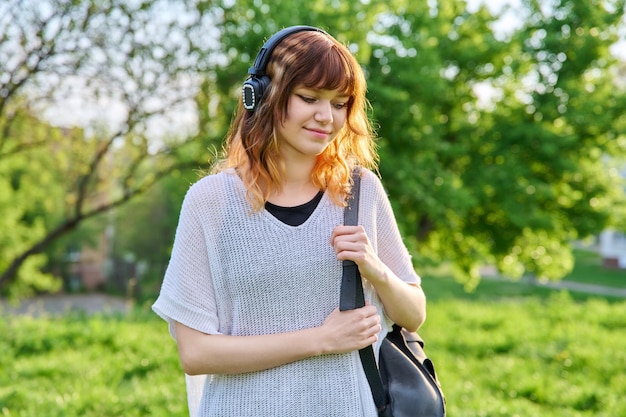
x: 515, y: 178
x: 498, y: 148
x: 508, y: 177
x: 131, y: 65
x: 144, y: 229
x: 31, y: 198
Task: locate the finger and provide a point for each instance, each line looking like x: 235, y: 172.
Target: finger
x: 347, y: 246
x: 369, y: 311
x: 355, y: 254
x: 337, y: 233
x: 345, y: 230
x: 371, y: 336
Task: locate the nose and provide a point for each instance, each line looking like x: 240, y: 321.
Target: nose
x: 324, y: 112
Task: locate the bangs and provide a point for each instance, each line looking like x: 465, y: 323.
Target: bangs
x: 329, y: 70
x: 315, y: 61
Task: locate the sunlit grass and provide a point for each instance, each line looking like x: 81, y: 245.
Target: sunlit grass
x: 89, y: 366
x: 544, y: 357
x: 589, y: 269
x: 507, y: 349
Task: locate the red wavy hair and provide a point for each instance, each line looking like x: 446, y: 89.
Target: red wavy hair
x: 313, y: 60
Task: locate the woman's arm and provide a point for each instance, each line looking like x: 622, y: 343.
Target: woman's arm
x: 404, y: 303
x: 341, y: 332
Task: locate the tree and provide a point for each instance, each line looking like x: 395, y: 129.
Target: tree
x: 510, y: 177
x: 514, y: 178
x: 132, y: 64
x: 144, y: 228
x: 22, y: 210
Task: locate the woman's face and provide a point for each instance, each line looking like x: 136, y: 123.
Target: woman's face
x: 314, y: 117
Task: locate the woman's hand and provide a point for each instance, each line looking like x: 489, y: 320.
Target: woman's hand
x: 351, y: 243
x: 346, y: 331
x: 404, y: 303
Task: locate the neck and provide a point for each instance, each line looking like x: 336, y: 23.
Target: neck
x: 298, y: 188
x: 298, y: 172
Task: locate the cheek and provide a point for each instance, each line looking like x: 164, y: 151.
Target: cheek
x: 339, y: 120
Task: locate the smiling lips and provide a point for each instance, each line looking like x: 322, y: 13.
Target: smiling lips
x: 319, y: 132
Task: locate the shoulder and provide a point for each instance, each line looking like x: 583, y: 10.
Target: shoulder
x: 212, y: 185
x: 368, y: 176
x: 211, y: 190
x: 371, y: 184
x: 374, y: 197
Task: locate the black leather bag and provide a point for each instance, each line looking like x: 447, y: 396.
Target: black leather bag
x: 409, y: 378
x: 404, y: 384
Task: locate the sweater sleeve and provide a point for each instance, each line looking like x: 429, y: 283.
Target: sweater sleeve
x: 187, y: 294
x: 389, y: 243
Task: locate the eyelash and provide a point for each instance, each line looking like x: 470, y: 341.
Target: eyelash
x: 310, y: 100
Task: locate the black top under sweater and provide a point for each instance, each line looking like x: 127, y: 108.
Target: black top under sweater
x: 294, y: 216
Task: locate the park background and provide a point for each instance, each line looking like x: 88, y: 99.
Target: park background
x: 502, y: 144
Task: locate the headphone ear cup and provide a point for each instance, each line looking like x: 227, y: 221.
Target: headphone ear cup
x: 252, y: 91
x: 257, y: 83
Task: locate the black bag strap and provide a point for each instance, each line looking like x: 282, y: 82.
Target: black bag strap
x: 351, y: 288
x: 352, y: 297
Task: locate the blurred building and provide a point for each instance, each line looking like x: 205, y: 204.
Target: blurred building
x: 613, y: 249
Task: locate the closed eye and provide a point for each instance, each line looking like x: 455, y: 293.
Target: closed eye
x: 307, y: 99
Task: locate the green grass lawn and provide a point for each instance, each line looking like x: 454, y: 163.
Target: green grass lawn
x: 511, y: 354
x: 110, y: 365
x: 588, y: 269
x: 507, y: 349
x: 516, y: 349
x: 534, y: 356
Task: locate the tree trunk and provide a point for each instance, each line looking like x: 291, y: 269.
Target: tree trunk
x: 10, y: 274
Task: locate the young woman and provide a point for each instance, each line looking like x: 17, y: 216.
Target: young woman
x: 251, y: 292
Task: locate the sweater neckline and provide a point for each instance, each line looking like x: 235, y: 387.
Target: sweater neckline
x: 272, y: 219
x: 294, y: 215
x: 310, y: 220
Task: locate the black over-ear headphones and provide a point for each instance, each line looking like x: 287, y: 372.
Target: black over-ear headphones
x: 256, y: 84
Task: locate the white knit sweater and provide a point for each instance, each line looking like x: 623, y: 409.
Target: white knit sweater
x: 237, y: 272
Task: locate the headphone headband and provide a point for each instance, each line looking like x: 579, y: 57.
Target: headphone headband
x: 254, y: 87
